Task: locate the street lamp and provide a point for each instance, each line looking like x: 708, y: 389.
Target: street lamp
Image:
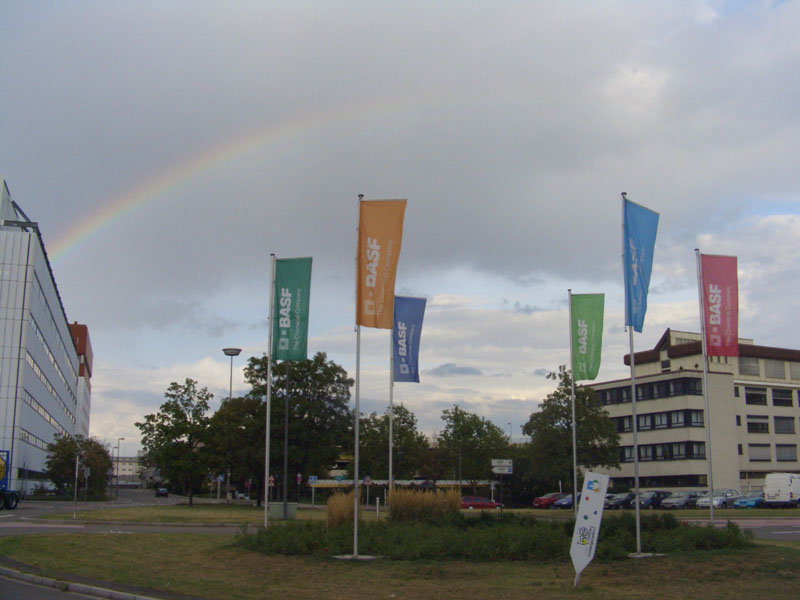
x: 230, y: 352
x: 509, y: 432
x: 118, y: 447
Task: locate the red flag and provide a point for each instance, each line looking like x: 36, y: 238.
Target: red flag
x: 720, y: 304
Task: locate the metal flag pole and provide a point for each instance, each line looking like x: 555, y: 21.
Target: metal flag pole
x: 574, y: 429
x: 707, y: 415
x: 356, y: 491
x: 391, y: 408
x: 268, y: 397
x: 633, y: 399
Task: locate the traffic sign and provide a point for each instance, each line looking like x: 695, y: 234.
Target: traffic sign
x: 502, y: 462
x: 312, y: 479
x: 503, y: 470
x: 271, y: 481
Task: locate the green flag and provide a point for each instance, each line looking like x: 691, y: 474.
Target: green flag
x: 290, y: 317
x: 587, y: 334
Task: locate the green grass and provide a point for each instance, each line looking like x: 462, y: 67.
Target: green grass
x: 213, y: 567
x: 213, y: 514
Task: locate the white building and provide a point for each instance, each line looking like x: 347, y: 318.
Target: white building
x: 40, y: 368
x: 753, y: 415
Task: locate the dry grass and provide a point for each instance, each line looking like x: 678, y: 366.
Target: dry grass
x: 210, y: 566
x: 340, y: 508
x: 415, y: 505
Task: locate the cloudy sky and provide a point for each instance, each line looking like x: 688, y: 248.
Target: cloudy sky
x: 167, y: 148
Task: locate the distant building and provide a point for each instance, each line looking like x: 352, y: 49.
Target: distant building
x: 128, y: 471
x: 45, y: 364
x: 753, y: 405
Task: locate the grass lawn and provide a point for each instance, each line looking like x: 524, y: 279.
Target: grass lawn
x: 213, y: 567
x: 214, y: 514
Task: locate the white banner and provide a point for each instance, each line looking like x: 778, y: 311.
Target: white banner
x: 587, y: 523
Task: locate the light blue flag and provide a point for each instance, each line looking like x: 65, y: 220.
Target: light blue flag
x: 639, y: 240
x: 408, y: 315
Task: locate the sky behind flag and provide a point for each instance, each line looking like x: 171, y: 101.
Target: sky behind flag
x: 166, y: 149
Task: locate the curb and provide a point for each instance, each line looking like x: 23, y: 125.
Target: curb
x: 80, y: 588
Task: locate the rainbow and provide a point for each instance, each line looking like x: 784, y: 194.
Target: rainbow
x: 214, y: 157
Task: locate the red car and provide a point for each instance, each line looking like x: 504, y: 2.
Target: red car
x: 479, y: 502
x: 548, y: 500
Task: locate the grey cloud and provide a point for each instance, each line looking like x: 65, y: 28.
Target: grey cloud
x: 452, y: 370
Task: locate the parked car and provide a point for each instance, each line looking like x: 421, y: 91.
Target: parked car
x: 652, y: 499
x: 722, y: 498
x: 619, y: 501
x: 548, y: 500
x: 565, y: 502
x: 162, y: 492
x: 782, y: 489
x: 682, y: 499
x: 752, y: 499
x: 472, y: 502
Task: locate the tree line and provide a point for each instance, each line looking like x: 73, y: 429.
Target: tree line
x: 311, y: 398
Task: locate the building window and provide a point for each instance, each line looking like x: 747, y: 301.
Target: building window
x: 660, y: 420
x: 774, y: 369
x: 645, y: 422
x: 677, y: 418
x: 781, y: 397
x: 740, y: 449
x: 679, y: 450
x: 697, y: 418
x: 663, y: 389
x: 735, y: 392
x: 627, y: 454
x: 748, y: 366
x: 664, y: 366
x: 754, y: 395
x: 794, y: 370
x: 698, y: 450
x: 759, y: 452
x: 786, y: 452
x: 645, y: 453
x: 738, y: 421
x: 757, y: 424
x: 784, y: 424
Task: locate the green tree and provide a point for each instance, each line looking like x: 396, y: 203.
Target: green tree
x: 409, y: 444
x: 550, y: 430
x: 317, y: 392
x: 235, y: 441
x: 471, y: 442
x: 173, y: 438
x: 60, y: 464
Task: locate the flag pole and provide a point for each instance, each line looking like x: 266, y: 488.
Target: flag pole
x: 707, y: 416
x: 391, y: 408
x: 356, y: 491
x: 268, y: 397
x: 574, y: 433
x: 628, y: 319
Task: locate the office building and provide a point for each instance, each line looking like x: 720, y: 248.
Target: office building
x: 44, y: 379
x: 753, y: 415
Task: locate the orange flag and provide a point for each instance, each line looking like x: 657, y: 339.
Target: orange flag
x: 380, y: 234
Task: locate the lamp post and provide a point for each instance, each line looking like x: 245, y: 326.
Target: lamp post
x: 230, y: 352
x: 118, y: 443
x: 509, y: 432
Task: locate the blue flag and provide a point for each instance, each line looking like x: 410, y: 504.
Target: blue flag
x: 408, y: 314
x: 639, y: 240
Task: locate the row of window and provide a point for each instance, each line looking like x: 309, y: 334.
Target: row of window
x: 763, y: 452
x: 34, y: 404
x: 27, y: 436
x: 758, y: 396
x: 52, y: 358
x: 52, y: 322
x: 660, y: 420
x: 773, y: 369
x: 760, y: 424
x: 670, y: 451
x: 684, y: 386
x: 38, y: 371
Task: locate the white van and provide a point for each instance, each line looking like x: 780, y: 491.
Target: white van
x: 782, y: 489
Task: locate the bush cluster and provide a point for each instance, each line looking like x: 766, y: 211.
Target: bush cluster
x: 418, y: 505
x: 489, y: 537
